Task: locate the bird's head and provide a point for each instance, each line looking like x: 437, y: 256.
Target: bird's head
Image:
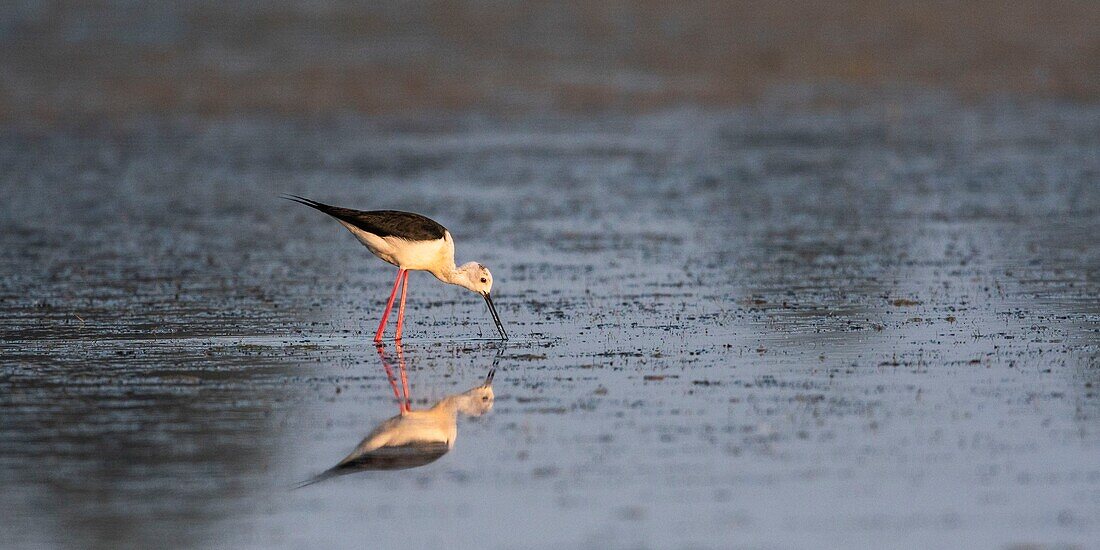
x: 475, y: 277
x: 479, y: 400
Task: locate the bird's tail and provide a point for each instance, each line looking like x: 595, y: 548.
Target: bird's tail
x: 308, y: 202
x: 332, y: 472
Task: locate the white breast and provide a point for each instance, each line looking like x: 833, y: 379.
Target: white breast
x: 421, y: 255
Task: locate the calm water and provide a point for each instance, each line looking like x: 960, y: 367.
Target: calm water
x: 784, y: 326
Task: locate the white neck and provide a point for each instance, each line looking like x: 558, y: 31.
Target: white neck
x: 452, y: 274
x: 448, y: 273
x: 451, y: 404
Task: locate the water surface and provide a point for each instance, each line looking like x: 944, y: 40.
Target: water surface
x: 790, y: 325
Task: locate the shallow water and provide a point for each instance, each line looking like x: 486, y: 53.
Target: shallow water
x: 783, y: 326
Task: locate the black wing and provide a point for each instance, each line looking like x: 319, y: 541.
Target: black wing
x: 384, y: 223
x: 413, y: 455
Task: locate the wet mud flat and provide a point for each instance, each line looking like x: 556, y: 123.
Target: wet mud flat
x: 798, y: 324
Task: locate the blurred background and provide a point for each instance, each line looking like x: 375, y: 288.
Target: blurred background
x: 83, y: 60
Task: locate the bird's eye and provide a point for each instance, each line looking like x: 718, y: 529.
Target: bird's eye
x: 486, y: 398
x: 484, y: 280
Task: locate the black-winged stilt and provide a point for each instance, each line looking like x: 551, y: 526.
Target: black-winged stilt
x: 414, y: 437
x: 410, y: 242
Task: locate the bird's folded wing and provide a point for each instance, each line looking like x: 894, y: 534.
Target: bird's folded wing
x: 384, y: 223
x: 417, y: 453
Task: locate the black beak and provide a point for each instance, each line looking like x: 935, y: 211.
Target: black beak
x: 496, y: 318
x: 489, y: 377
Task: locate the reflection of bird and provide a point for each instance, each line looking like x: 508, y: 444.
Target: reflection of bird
x: 414, y: 437
x: 410, y: 242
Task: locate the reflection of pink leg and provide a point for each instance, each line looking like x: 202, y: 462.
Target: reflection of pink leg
x: 404, y: 374
x: 401, y: 310
x: 391, y: 378
x: 389, y: 306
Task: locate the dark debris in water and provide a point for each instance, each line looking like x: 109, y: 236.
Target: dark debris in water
x: 762, y: 310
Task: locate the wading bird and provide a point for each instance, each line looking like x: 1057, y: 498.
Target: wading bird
x: 410, y: 242
x: 413, y: 438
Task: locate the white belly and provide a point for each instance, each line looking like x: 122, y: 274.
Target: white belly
x: 420, y: 255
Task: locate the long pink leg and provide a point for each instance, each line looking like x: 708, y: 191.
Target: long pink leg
x: 401, y: 310
x: 404, y: 373
x: 391, y: 378
x: 389, y: 306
